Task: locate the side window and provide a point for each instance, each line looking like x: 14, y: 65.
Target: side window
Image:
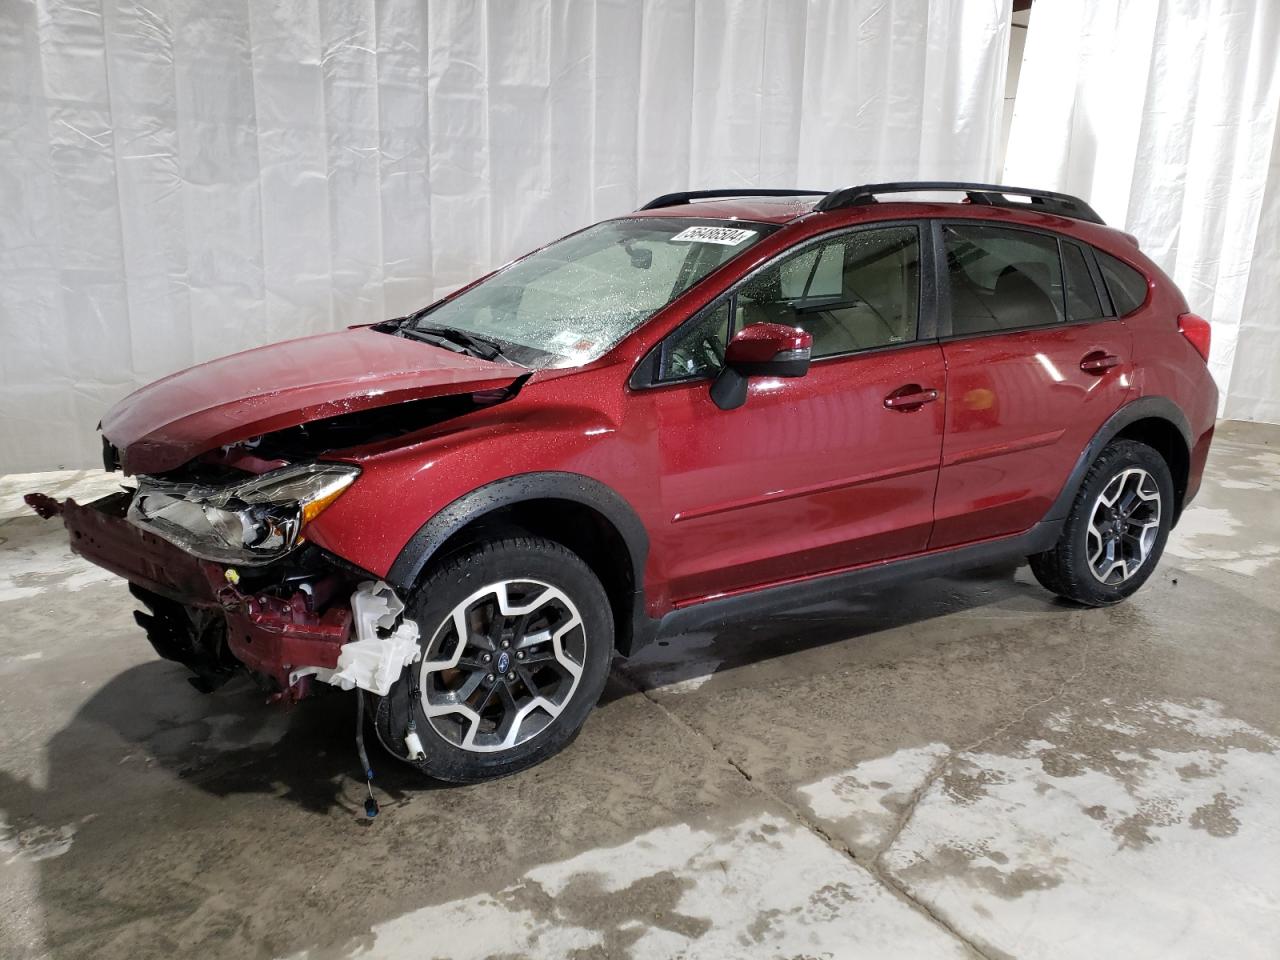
x: 855, y: 292
x: 1128, y: 288
x: 1002, y: 279
x: 696, y: 349
x: 1082, y: 295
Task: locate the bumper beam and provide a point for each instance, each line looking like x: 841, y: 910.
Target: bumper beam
x: 271, y: 633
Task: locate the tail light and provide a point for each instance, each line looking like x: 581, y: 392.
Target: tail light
x: 1196, y: 330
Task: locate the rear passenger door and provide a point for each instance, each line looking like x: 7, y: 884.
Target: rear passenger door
x: 1034, y: 367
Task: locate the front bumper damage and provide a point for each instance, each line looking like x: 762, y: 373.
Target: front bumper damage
x: 302, y: 620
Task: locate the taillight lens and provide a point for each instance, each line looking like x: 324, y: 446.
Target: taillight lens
x: 1197, y: 331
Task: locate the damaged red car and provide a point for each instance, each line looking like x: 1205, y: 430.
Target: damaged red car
x: 726, y: 402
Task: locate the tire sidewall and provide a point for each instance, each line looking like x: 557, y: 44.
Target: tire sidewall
x: 434, y: 600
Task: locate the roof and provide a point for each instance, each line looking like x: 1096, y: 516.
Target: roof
x: 759, y: 209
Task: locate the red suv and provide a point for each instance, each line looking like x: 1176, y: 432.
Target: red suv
x: 726, y: 401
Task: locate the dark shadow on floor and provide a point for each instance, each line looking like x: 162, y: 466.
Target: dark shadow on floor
x: 846, y: 617
x: 230, y: 743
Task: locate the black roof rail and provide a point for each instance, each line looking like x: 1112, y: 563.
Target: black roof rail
x: 687, y: 196
x: 987, y: 194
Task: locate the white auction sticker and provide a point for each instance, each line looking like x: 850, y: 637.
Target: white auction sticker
x: 729, y: 236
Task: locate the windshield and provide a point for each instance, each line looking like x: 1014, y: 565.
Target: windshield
x: 567, y: 304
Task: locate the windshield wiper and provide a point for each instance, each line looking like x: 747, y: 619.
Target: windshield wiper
x: 473, y: 343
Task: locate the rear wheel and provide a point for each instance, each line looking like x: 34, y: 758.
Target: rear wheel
x: 1116, y: 531
x: 517, y: 638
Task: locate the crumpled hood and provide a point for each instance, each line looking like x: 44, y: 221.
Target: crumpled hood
x: 225, y: 401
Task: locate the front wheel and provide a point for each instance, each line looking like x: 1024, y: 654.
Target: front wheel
x: 517, y: 638
x: 1116, y: 531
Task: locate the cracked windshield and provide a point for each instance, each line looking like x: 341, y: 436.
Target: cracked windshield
x: 567, y: 304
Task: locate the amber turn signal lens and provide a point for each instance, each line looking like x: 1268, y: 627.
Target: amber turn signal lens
x: 314, y: 508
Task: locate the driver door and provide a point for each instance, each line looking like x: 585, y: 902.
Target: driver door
x: 812, y: 474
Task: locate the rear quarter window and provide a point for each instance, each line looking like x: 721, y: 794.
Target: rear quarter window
x: 1128, y: 288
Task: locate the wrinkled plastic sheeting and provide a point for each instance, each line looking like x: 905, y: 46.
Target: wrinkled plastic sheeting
x: 1164, y: 114
x: 180, y: 180
x: 385, y: 643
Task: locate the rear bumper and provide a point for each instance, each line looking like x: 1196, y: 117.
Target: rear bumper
x: 1195, y: 473
x: 272, y: 631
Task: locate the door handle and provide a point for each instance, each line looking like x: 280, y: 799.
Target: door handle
x: 1099, y: 362
x: 910, y: 397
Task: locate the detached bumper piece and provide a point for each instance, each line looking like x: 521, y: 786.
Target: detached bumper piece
x: 285, y: 625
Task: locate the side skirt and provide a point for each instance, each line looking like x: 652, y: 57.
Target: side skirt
x: 727, y: 610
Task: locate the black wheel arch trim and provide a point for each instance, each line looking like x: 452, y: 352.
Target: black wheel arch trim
x: 1144, y: 408
x: 543, y: 485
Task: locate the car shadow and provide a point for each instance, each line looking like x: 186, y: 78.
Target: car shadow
x: 229, y: 743
x: 723, y: 647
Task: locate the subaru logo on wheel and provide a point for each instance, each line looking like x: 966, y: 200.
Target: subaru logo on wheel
x: 504, y: 661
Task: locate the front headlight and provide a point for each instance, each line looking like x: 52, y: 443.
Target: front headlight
x: 251, y: 522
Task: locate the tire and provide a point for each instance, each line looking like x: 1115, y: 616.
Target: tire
x: 557, y: 615
x: 1128, y: 473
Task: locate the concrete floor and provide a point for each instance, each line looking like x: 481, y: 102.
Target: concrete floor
x: 962, y: 767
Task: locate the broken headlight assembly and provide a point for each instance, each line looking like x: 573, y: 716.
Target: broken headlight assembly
x: 250, y: 522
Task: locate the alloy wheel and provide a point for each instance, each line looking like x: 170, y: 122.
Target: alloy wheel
x: 1123, y: 526
x: 502, y: 665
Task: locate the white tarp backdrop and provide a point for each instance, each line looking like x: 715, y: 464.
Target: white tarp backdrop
x: 1164, y: 114
x: 180, y: 179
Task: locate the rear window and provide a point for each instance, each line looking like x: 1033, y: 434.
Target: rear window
x: 1128, y: 288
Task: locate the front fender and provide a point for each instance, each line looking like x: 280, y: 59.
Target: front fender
x: 491, y: 457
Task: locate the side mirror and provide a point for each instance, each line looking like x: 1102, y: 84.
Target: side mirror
x: 761, y: 350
